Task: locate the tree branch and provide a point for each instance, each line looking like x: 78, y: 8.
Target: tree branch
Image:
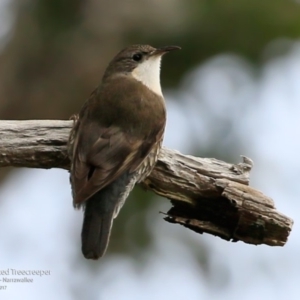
x: 208, y: 195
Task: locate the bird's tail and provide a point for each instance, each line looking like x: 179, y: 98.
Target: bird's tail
x: 100, y: 211
x: 96, y: 228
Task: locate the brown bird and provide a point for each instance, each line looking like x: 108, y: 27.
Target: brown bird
x: 116, y: 140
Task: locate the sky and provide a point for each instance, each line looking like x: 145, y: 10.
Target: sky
x: 40, y: 229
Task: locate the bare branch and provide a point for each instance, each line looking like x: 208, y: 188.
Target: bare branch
x: 208, y: 195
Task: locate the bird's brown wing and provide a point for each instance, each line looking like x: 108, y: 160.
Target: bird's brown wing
x: 103, y: 155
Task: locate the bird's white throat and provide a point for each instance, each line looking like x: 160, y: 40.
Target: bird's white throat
x: 148, y: 72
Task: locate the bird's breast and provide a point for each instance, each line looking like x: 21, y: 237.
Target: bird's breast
x: 129, y: 104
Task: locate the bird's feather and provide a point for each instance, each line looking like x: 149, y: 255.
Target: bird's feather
x: 115, y: 140
x: 102, y: 152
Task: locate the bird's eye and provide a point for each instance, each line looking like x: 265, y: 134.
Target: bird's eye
x: 137, y: 56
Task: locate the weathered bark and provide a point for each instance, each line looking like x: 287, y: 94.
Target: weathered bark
x: 208, y: 195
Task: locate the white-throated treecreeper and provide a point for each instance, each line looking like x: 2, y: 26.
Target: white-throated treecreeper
x: 116, y: 140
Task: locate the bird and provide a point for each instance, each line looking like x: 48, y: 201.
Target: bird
x: 115, y: 140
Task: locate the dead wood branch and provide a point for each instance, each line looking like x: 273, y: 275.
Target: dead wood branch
x: 208, y: 195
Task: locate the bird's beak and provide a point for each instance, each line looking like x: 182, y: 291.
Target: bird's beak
x: 163, y: 50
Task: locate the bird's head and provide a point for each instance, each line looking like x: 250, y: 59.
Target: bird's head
x: 142, y: 62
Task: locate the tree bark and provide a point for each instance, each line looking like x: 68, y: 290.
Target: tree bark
x: 208, y: 195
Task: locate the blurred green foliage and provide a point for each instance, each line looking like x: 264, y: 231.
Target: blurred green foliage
x: 217, y: 26
x: 57, y: 50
